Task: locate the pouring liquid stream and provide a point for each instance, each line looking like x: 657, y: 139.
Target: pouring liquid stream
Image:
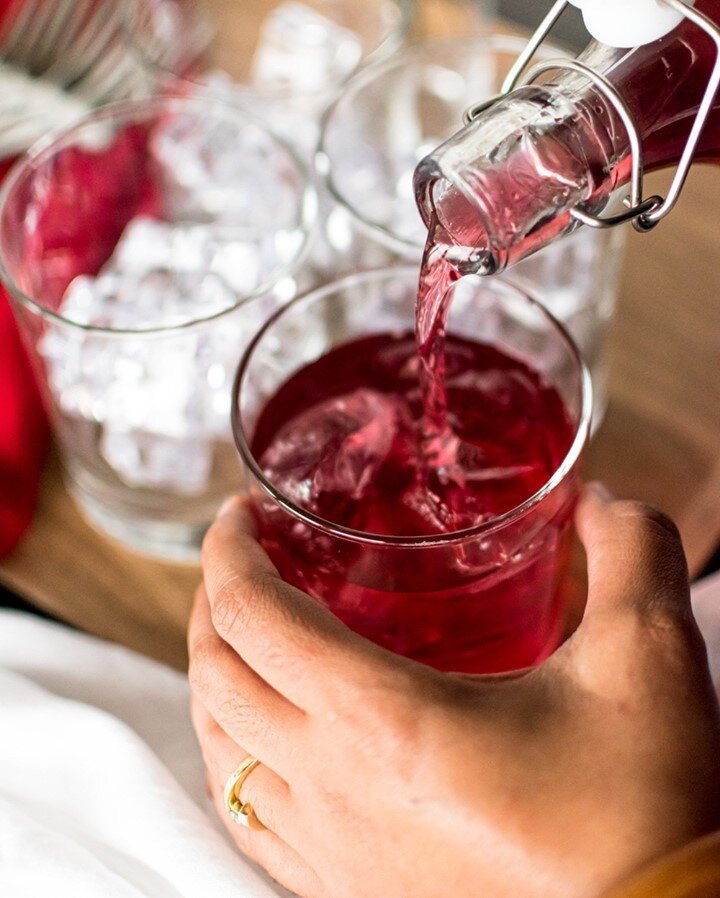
x: 444, y: 263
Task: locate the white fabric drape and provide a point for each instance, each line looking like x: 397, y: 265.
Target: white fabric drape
x: 101, y: 781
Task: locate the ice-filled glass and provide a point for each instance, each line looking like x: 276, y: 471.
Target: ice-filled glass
x: 287, y: 62
x: 142, y: 249
x: 387, y: 119
x: 327, y: 433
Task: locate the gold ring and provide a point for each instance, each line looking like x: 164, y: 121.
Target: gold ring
x: 241, y: 812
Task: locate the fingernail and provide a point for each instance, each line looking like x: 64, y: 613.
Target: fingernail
x: 228, y: 506
x: 599, y: 490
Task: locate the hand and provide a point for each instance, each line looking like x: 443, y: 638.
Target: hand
x: 381, y: 777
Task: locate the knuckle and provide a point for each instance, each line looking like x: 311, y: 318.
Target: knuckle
x: 655, y: 552
x: 262, y: 590
x: 241, y: 718
x: 646, y: 522
x: 676, y: 635
x: 389, y: 729
x: 664, y: 622
x: 238, y: 602
x: 655, y: 636
x: 204, y: 657
x: 333, y: 802
x: 271, y: 616
x: 226, y: 612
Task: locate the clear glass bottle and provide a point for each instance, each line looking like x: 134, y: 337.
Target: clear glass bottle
x: 506, y: 184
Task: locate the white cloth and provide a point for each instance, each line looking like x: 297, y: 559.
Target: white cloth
x: 101, y: 780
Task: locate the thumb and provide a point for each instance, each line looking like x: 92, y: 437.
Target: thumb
x: 635, y: 558
x: 638, y: 637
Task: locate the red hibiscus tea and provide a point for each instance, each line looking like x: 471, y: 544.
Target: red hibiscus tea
x: 424, y: 490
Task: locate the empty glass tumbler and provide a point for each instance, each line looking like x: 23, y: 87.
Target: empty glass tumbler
x: 142, y: 249
x: 387, y: 119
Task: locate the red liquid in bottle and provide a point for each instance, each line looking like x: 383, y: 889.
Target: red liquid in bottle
x: 381, y: 438
x: 507, y: 183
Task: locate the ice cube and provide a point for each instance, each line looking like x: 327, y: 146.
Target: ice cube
x: 244, y: 259
x: 201, y: 165
x: 146, y: 381
x: 78, y: 372
x: 303, y: 51
x: 224, y: 170
x: 424, y: 511
x: 147, y: 460
x: 335, y: 447
x: 148, y: 245
x: 146, y: 299
x: 173, y: 386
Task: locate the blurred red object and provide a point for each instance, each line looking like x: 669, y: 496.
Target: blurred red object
x: 24, y: 434
x: 60, y: 235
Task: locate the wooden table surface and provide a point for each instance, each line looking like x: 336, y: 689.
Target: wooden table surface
x: 660, y: 441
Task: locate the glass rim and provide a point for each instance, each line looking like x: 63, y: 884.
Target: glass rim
x: 392, y: 40
x: 580, y: 439
x: 324, y: 168
x: 129, y: 110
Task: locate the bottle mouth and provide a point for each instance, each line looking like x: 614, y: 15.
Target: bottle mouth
x: 451, y: 205
x: 480, y: 262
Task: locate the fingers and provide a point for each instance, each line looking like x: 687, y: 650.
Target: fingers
x: 638, y: 629
x: 289, y: 639
x: 635, y: 557
x: 283, y: 864
x: 243, y: 704
x: 264, y: 790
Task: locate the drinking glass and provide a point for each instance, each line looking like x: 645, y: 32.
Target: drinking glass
x: 486, y: 599
x: 284, y: 59
x: 387, y: 119
x: 142, y: 249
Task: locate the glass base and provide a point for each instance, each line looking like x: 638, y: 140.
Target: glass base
x: 159, y: 540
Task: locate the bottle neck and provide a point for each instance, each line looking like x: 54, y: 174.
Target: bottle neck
x: 506, y: 184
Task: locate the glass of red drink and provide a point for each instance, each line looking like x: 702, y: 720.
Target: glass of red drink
x: 464, y: 573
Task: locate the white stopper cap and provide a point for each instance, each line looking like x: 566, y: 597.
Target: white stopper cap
x: 628, y: 23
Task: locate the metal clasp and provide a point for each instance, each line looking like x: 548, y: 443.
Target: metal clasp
x: 644, y: 213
